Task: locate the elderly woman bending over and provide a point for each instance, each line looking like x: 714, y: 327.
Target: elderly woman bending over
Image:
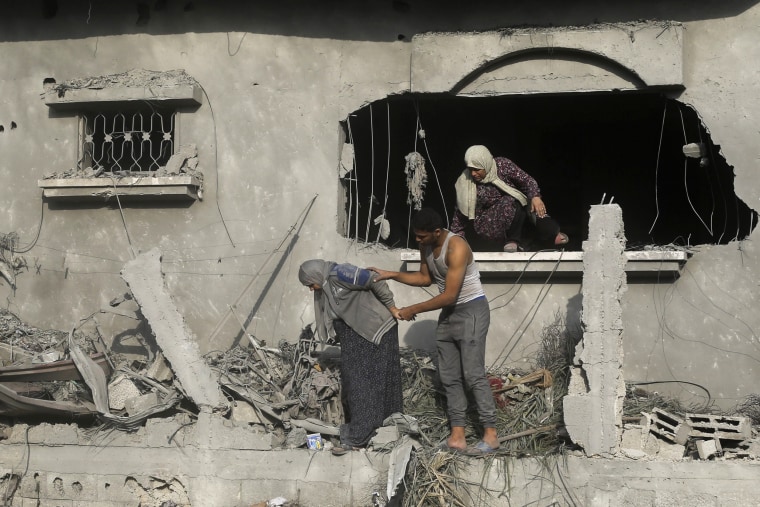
x: 494, y: 196
x: 350, y: 306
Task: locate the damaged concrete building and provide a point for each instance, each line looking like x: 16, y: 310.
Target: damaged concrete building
x: 166, y: 166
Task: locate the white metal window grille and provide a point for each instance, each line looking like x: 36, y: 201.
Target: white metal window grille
x: 131, y: 141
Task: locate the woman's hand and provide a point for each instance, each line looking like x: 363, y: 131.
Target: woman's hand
x: 538, y: 207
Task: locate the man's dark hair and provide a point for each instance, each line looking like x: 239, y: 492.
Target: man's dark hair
x: 427, y: 219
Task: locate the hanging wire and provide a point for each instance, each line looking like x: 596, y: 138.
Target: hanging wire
x: 387, y: 169
x: 28, y: 247
x: 216, y: 167
x: 350, y: 179
x: 123, y: 220
x: 707, y: 173
x: 517, y: 335
x: 372, y: 166
x: 686, y: 187
x: 657, y: 171
x: 427, y: 152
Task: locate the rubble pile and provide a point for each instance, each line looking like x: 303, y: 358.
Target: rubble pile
x: 660, y: 428
x: 291, y: 387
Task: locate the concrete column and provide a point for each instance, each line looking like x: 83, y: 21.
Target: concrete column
x: 593, y: 406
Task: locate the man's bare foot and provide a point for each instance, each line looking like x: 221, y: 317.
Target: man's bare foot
x: 491, y: 438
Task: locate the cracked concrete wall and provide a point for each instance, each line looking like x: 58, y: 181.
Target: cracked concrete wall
x: 277, y: 80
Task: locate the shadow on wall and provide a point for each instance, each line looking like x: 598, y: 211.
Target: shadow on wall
x: 421, y: 336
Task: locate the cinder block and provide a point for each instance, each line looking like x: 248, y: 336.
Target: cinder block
x: 669, y: 426
x: 719, y: 427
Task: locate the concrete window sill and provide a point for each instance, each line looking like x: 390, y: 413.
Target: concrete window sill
x: 666, y: 264
x: 184, y: 187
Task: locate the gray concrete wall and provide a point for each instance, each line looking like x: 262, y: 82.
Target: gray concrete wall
x: 277, y: 80
x: 60, y: 465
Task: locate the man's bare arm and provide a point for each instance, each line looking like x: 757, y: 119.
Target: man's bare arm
x: 419, y: 278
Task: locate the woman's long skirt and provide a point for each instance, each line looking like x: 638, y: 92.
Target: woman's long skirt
x: 370, y: 383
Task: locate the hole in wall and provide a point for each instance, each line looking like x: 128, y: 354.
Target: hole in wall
x: 13, y: 125
x: 627, y: 148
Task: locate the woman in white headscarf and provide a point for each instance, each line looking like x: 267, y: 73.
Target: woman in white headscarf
x: 494, y: 196
x: 358, y: 312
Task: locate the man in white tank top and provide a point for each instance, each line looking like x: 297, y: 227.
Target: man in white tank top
x: 462, y: 325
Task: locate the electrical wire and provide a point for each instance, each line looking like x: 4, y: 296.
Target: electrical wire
x: 39, y: 229
x: 657, y: 170
x: 514, y: 339
x: 649, y: 382
x: 430, y: 159
x: 350, y: 179
x: 372, y: 172
x: 387, y: 169
x: 686, y: 186
x: 123, y: 220
x: 216, y: 166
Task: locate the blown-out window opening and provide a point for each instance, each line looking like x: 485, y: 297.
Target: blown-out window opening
x: 648, y: 153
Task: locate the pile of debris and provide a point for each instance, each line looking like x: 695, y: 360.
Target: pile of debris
x: 59, y: 374
x: 662, y: 428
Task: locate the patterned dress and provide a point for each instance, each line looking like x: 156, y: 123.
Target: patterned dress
x: 495, y: 210
x: 370, y: 383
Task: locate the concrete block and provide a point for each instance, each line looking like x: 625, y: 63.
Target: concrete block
x: 226, y: 435
x: 81, y: 487
x: 669, y: 426
x: 139, y: 404
x: 256, y: 491
x: 719, y: 427
x: 707, y: 449
x: 158, y: 432
x: 112, y: 490
x: 48, y: 434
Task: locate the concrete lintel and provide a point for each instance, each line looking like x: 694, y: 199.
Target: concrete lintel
x: 647, y: 53
x: 87, y: 98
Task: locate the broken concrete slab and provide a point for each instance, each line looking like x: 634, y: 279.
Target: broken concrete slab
x: 707, y: 448
x: 146, y: 281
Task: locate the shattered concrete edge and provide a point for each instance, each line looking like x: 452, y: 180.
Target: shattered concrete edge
x: 593, y: 407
